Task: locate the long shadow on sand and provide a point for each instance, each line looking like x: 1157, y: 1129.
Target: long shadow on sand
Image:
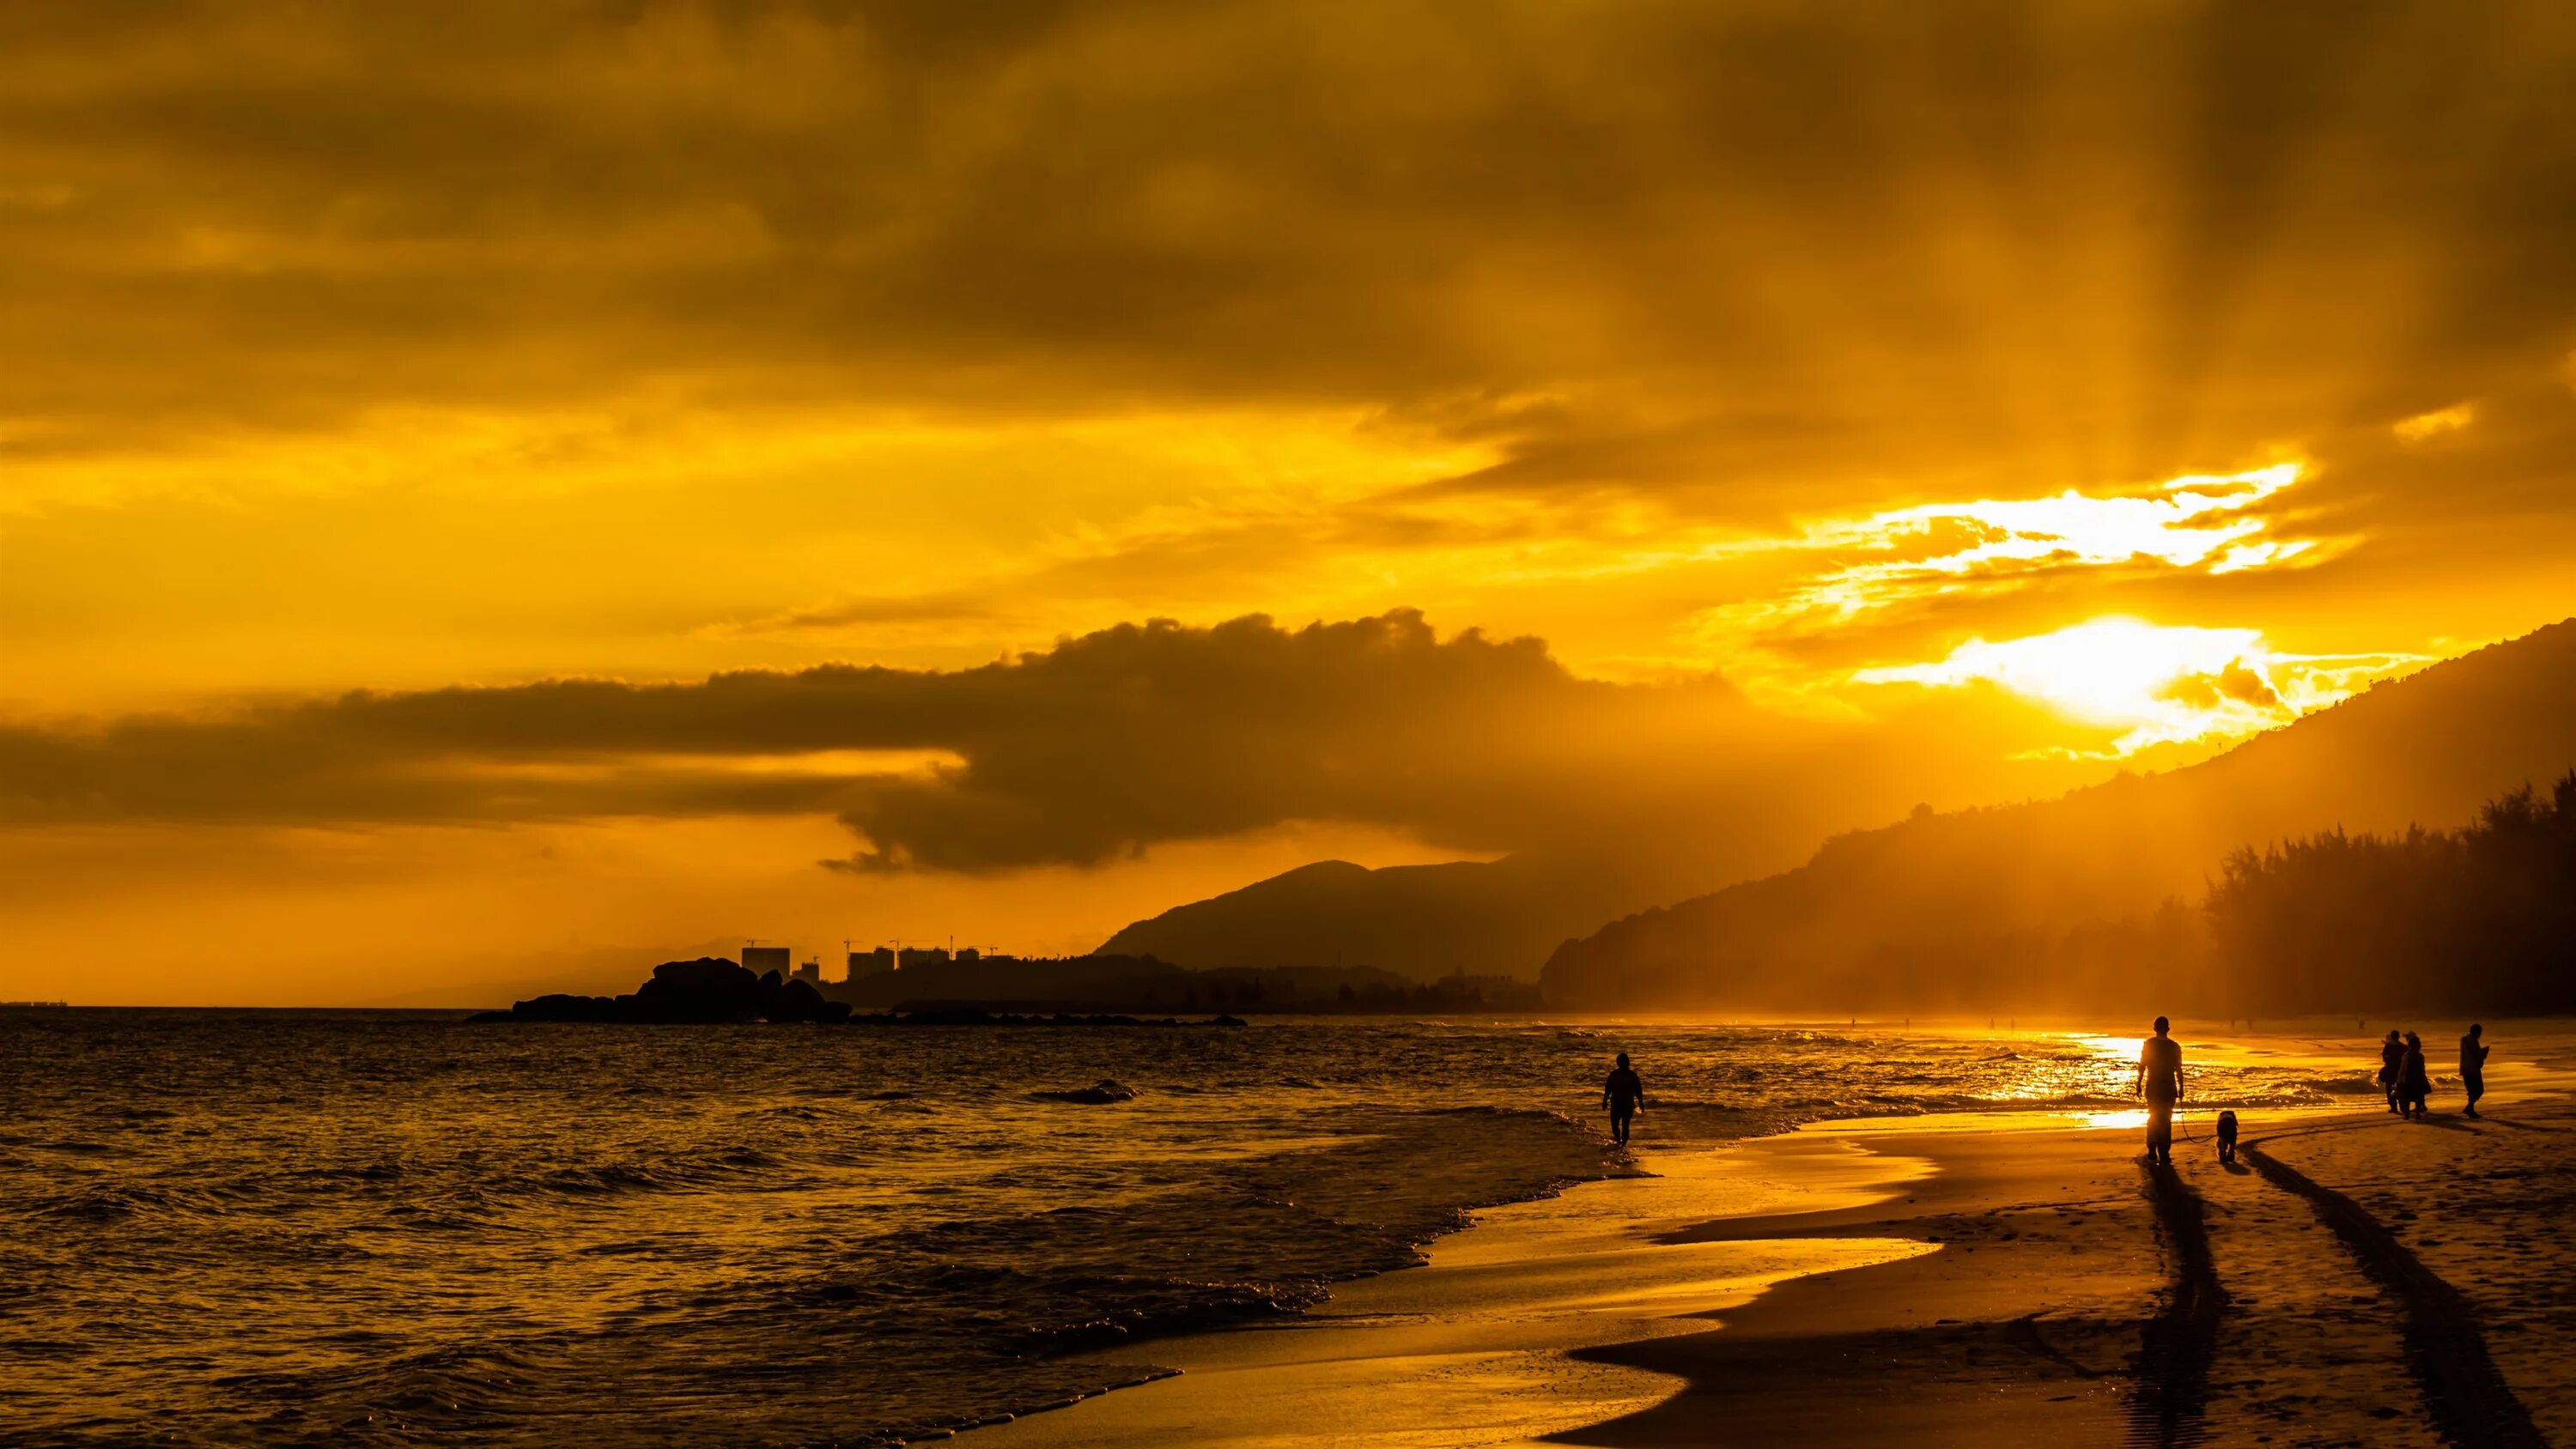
x: 1933, y: 1385
x: 2518, y: 1126
x: 2178, y: 1345
x: 2472, y: 1407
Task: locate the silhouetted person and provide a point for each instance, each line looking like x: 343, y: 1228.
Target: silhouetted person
x: 2414, y: 1083
x: 2392, y: 1065
x: 2473, y: 1067
x: 2160, y: 1082
x: 1623, y: 1094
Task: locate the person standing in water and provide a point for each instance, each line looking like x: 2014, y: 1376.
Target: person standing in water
x: 1623, y: 1094
x: 2473, y: 1067
x: 2392, y: 1065
x: 2160, y: 1082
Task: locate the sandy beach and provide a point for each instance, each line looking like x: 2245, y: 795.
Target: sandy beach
x: 1995, y: 1279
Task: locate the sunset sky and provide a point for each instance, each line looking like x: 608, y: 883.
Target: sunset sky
x: 499, y: 493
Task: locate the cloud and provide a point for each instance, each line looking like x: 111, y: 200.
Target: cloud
x: 1873, y: 580
x: 943, y: 607
x: 1599, y: 308
x: 1093, y: 750
x: 2432, y: 424
x: 2197, y: 522
x: 1738, y: 255
x: 2236, y: 683
x: 1097, y: 747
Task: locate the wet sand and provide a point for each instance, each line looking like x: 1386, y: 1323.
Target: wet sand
x: 1989, y: 1280
x: 1485, y: 1345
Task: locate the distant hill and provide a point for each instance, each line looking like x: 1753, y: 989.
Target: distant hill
x: 1420, y: 920
x: 1712, y: 794
x: 2086, y: 900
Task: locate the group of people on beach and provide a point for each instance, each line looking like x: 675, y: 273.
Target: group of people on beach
x: 2403, y: 1076
x: 2406, y: 1081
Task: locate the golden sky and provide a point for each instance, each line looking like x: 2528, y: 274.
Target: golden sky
x: 493, y: 489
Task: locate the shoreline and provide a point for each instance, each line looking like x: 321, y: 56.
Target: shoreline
x: 1484, y: 1343
x: 2005, y: 1278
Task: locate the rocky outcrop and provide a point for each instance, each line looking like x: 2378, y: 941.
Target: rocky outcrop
x: 1100, y: 1093
x: 709, y: 989
x: 713, y: 990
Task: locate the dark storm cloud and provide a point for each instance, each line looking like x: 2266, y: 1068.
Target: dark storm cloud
x: 1101, y: 745
x: 1759, y: 248
x: 1097, y: 748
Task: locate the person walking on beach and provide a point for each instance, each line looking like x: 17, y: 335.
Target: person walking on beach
x: 2414, y: 1083
x: 1623, y: 1094
x: 2473, y: 1067
x: 2392, y: 1065
x: 2160, y: 1082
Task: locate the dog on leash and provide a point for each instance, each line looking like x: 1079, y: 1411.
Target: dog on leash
x: 2227, y: 1136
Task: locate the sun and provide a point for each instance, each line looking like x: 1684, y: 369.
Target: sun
x: 2158, y: 683
x: 2108, y: 671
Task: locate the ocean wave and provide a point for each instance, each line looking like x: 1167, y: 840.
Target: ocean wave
x: 693, y: 1171
x: 98, y: 1205
x: 335, y: 1176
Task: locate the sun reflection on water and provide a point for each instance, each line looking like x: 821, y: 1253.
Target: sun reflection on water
x: 2121, y: 1049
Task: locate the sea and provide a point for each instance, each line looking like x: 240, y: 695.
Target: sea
x: 400, y: 1228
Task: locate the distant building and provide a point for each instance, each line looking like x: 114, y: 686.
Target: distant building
x: 864, y: 964
x: 916, y: 958
x: 811, y: 971
x: 761, y: 960
x: 968, y: 956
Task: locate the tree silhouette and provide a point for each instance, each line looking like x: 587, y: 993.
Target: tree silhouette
x: 2482, y: 918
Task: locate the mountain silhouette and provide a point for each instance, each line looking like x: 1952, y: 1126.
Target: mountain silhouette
x: 2088, y: 900
x: 1484, y: 917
